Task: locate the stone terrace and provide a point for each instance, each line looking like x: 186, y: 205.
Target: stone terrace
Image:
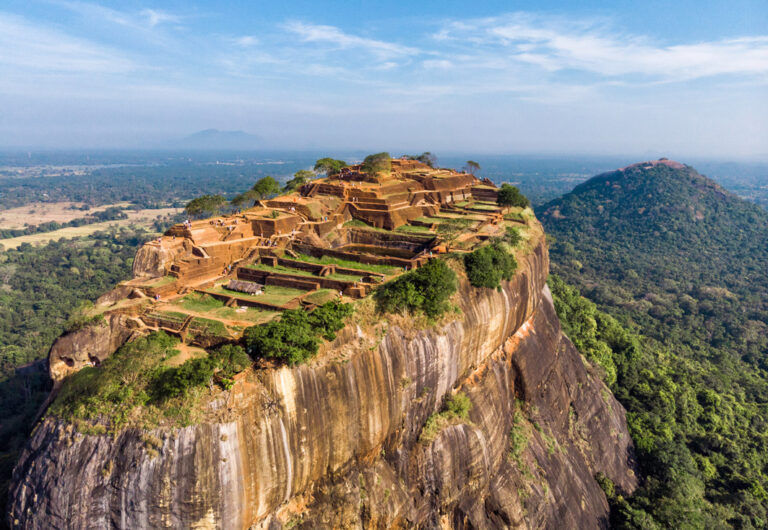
x: 335, y: 237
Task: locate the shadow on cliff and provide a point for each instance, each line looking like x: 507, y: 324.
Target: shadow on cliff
x: 21, y: 396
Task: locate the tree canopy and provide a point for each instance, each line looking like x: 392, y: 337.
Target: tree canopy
x: 426, y: 289
x: 471, y: 167
x: 265, y: 187
x: 329, y: 166
x: 300, y: 178
x: 488, y: 265
x: 426, y: 157
x: 377, y: 163
x: 510, y: 196
x: 205, y: 205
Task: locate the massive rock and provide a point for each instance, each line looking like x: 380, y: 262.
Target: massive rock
x: 88, y: 346
x: 335, y: 443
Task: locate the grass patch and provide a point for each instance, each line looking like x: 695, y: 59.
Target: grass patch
x: 321, y: 296
x: 309, y: 274
x: 518, y: 439
x: 172, y: 317
x: 413, y: 229
x: 277, y: 295
x: 251, y: 314
x: 161, y: 282
x: 514, y: 216
x: 456, y: 410
x: 271, y: 294
x: 199, y: 303
x: 349, y: 264
x: 206, y: 327
x: 484, y: 207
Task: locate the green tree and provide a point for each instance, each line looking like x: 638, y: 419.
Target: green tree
x: 244, y: 200
x: 471, y: 167
x: 265, y: 187
x: 426, y: 289
x: 300, y: 178
x: 205, y: 205
x: 488, y: 265
x: 295, y: 336
x: 231, y: 359
x: 510, y: 196
x: 377, y: 163
x: 425, y: 158
x: 329, y: 166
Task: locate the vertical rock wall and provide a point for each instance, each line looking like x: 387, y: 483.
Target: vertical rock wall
x: 341, y: 439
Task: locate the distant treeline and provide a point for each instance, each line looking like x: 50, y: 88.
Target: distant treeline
x: 144, y: 187
x: 112, y: 213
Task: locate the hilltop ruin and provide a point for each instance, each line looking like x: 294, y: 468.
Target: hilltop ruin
x: 336, y: 237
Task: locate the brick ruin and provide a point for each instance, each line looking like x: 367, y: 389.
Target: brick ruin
x: 335, y: 237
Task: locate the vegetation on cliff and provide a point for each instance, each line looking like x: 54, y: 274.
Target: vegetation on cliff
x: 456, y: 410
x: 488, y: 265
x: 137, y: 384
x: 510, y: 196
x: 673, y: 256
x: 295, y: 336
x: 426, y: 289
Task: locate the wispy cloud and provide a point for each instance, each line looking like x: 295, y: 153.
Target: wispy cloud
x: 27, y: 45
x: 554, y: 44
x: 338, y: 39
x: 144, y: 19
x: 155, y: 17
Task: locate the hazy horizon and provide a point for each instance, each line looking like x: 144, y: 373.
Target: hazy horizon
x: 547, y: 79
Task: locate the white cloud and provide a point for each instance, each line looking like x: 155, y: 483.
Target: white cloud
x: 555, y: 44
x: 340, y: 40
x: 155, y: 17
x: 144, y: 20
x: 31, y: 46
x: 247, y: 41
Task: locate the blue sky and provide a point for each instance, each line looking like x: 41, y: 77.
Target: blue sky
x: 680, y: 78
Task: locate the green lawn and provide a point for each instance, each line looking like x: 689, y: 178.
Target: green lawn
x: 199, y: 303
x: 322, y: 296
x: 160, y: 282
x: 168, y: 316
x: 271, y: 294
x: 487, y: 207
x: 251, y: 314
x: 309, y: 274
x: 414, y: 229
x: 326, y: 260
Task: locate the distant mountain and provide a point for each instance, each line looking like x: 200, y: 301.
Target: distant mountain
x: 683, y: 262
x: 216, y: 139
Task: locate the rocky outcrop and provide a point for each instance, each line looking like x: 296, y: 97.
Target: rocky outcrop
x: 88, y: 346
x: 336, y: 443
x: 155, y: 260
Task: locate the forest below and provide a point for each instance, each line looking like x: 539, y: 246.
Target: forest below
x: 679, y: 264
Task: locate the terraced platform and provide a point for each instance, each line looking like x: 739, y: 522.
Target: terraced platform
x: 336, y: 237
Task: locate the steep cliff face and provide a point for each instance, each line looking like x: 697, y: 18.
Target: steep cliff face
x: 336, y: 443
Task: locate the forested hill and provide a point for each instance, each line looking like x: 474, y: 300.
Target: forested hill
x: 666, y: 223
x: 684, y: 263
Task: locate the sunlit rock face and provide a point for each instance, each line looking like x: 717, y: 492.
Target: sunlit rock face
x: 336, y: 444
